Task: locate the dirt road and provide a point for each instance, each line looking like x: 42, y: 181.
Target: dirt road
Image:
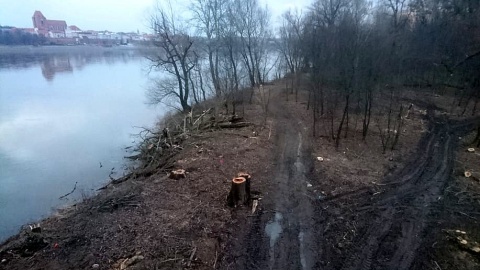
x: 295, y: 231
x: 283, y: 236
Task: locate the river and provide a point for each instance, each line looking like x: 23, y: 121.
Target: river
x: 66, y: 116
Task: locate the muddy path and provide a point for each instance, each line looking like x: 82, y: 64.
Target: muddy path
x: 283, y: 234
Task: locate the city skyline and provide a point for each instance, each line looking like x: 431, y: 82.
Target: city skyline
x: 112, y: 15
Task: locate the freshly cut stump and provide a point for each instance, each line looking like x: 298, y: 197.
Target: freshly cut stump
x: 247, y: 177
x: 238, y: 193
x: 177, y: 174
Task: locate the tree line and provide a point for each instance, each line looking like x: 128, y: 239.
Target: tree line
x: 14, y: 36
x: 220, y: 48
x: 351, y: 53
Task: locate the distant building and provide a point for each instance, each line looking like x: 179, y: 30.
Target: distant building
x: 72, y: 32
x: 49, y: 28
x: 57, y: 32
x: 29, y: 30
x: 89, y: 34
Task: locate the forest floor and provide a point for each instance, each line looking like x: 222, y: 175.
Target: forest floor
x: 355, y: 208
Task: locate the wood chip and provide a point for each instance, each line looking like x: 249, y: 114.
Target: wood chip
x: 177, y: 174
x: 254, y: 206
x: 462, y: 241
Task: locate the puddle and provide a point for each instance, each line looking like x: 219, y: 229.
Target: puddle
x: 299, y: 166
x: 303, y: 259
x: 274, y: 229
x: 298, y: 163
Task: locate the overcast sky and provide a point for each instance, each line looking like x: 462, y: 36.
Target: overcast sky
x: 113, y: 15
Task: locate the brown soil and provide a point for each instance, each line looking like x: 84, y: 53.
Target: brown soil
x: 356, y: 209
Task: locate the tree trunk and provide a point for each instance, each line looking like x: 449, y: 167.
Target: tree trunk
x: 474, y: 110
x: 347, y: 122
x: 286, y: 89
x: 248, y: 178
x: 296, y: 87
x: 216, y: 84
x: 399, y: 128
x: 477, y: 138
x: 340, y: 126
x: 367, y: 113
x: 314, y: 111
x: 308, y: 100
x: 321, y: 100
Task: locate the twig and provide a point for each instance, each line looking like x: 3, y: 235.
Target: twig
x: 169, y: 260
x: 466, y: 215
x: 110, y: 175
x: 73, y: 190
x: 216, y: 258
x: 191, y: 256
x: 236, y: 134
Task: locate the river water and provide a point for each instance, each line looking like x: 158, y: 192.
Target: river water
x: 66, y: 116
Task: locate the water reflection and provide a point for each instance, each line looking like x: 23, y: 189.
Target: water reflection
x: 54, y: 60
x: 52, y: 65
x: 61, y: 113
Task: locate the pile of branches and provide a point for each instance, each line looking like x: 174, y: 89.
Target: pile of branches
x: 158, y: 146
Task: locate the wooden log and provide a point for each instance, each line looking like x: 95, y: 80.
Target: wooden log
x: 236, y: 119
x: 177, y: 174
x: 238, y: 193
x: 233, y: 125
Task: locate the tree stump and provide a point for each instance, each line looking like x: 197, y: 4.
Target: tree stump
x: 238, y: 193
x: 248, y: 178
x: 177, y: 174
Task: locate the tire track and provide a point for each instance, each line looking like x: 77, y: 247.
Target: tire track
x: 400, y: 214
x: 288, y: 231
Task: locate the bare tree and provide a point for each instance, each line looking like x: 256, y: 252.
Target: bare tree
x: 252, y: 27
x: 290, y: 39
x: 328, y: 11
x: 175, y: 55
x: 290, y: 46
x: 208, y: 17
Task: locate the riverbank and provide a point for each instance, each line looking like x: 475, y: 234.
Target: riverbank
x: 53, y: 49
x: 319, y: 207
x: 171, y: 223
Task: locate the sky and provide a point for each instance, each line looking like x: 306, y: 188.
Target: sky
x: 112, y: 15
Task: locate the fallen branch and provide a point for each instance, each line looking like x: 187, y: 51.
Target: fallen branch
x: 118, y: 181
x: 170, y: 260
x: 201, y: 116
x: 234, y: 125
x: 236, y: 134
x: 73, y: 190
x: 192, y: 256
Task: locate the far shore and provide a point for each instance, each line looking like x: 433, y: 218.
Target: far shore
x: 5, y: 49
